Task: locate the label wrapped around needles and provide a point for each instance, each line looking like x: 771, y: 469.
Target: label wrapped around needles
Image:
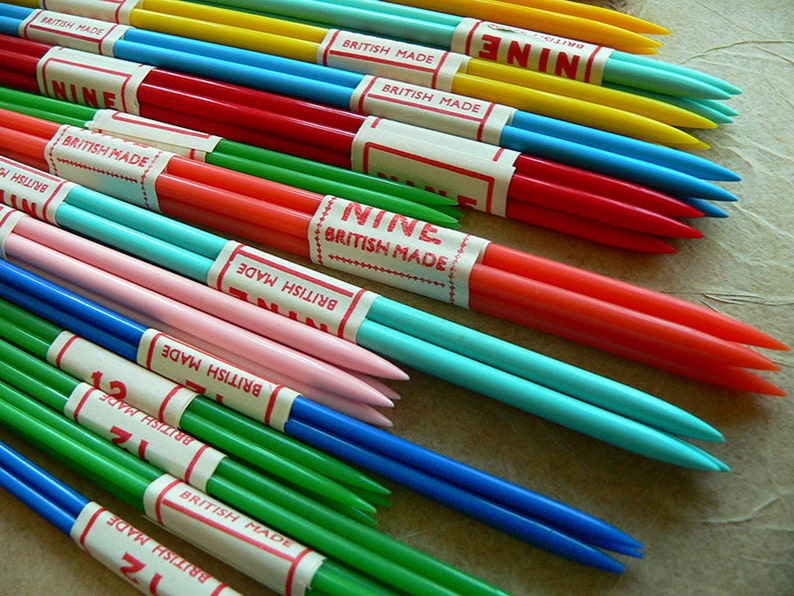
x: 297, y: 292
x: 433, y: 109
x: 139, y: 559
x: 532, y: 50
x: 223, y: 381
x: 397, y: 250
x: 143, y: 435
x: 246, y: 544
x: 477, y: 175
x: 30, y: 190
x: 389, y: 58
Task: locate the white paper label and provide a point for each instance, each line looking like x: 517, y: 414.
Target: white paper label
x: 8, y: 220
x: 476, y: 174
x: 266, y: 555
x: 394, y: 249
x: 164, y: 446
x: 431, y: 108
x: 31, y: 190
x: 532, y: 50
x: 120, y: 378
x: 95, y: 81
x: 228, y: 384
x: 112, y: 166
x: 174, y: 139
x: 389, y: 58
x: 115, y: 11
x: 288, y: 289
x: 138, y: 559
x: 68, y: 30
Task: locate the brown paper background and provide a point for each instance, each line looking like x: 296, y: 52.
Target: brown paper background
x: 705, y: 533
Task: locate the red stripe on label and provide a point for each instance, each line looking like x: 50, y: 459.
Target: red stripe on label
x: 89, y: 526
x: 64, y: 349
x: 291, y: 575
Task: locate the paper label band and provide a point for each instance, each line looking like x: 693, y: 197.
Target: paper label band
x: 204, y: 373
x: 164, y: 446
x: 394, y: 249
x: 115, y: 11
x: 138, y: 559
x: 389, y: 58
x: 431, y: 108
x: 174, y: 139
x: 87, y: 79
x: 79, y: 33
x: 115, y: 167
x: 297, y: 292
x: 31, y: 190
x: 8, y: 220
x: 532, y: 50
x: 266, y: 555
x: 476, y: 174
x: 120, y: 378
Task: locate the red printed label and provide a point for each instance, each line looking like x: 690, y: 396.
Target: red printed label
x: 431, y: 108
x: 291, y: 290
x: 531, y: 50
x: 394, y: 249
x: 79, y: 33
x: 115, y: 167
x: 476, y: 174
x: 31, y: 190
x: 204, y: 373
x: 164, y: 446
x: 120, y: 378
x: 261, y: 552
x: 394, y: 59
x: 95, y: 81
x: 114, y: 11
x: 139, y: 559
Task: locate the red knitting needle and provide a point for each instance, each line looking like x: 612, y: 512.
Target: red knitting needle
x: 723, y: 376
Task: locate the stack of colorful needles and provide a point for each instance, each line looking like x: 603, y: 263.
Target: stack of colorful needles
x: 517, y: 511
x: 476, y: 78
x: 33, y: 398
x: 563, y: 198
x: 620, y: 70
x: 639, y: 324
x: 551, y: 138
x: 627, y: 320
x: 258, y: 446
